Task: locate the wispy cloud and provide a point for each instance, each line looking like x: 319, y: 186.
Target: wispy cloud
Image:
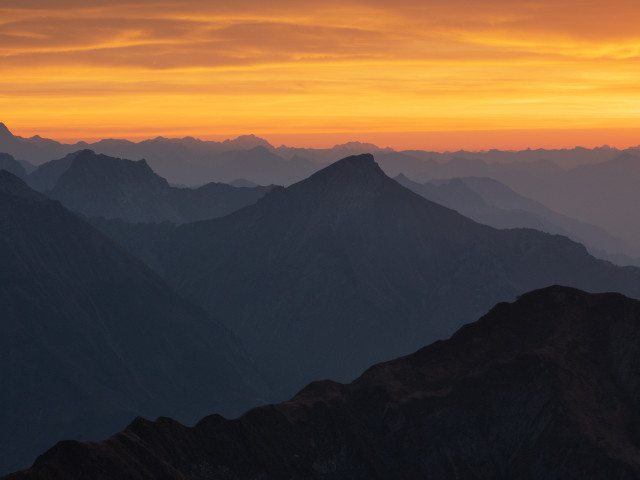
x: 290, y: 66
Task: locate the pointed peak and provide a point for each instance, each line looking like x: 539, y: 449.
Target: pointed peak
x: 357, y: 164
x: 4, y: 131
x: 353, y: 170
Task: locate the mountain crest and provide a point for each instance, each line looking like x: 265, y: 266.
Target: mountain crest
x: 4, y: 131
x: 113, y: 163
x: 352, y: 168
x: 347, y: 182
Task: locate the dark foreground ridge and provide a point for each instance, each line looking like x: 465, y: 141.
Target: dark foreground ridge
x: 546, y: 387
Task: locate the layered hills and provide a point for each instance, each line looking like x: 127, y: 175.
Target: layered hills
x: 488, y: 201
x: 603, y: 193
x: 10, y: 164
x: 91, y: 337
x: 543, y: 388
x: 348, y: 268
x: 97, y: 185
x: 595, y: 186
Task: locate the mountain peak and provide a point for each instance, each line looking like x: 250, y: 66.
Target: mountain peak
x: 351, y: 171
x: 4, y: 131
x: 245, y: 142
x: 86, y: 152
x: 363, y: 159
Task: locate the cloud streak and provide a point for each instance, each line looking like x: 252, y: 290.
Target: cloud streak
x: 287, y: 66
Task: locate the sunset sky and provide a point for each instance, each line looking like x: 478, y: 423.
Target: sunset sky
x: 435, y: 74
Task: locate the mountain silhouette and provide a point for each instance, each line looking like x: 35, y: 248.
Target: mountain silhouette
x: 595, y: 186
x: 10, y: 164
x: 91, y: 337
x: 13, y: 186
x: 542, y: 388
x: 262, y: 166
x: 348, y: 268
x: 488, y: 201
x: 45, y: 177
x: 101, y: 186
x: 602, y: 193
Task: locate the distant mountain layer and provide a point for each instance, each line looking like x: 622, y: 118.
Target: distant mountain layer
x: 10, y: 164
x: 546, y: 388
x: 186, y: 161
x: 603, y: 194
x: 596, y: 186
x: 102, y: 186
x: 348, y: 268
x: 488, y: 201
x: 91, y: 337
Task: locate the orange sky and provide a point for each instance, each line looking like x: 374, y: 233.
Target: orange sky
x: 474, y: 74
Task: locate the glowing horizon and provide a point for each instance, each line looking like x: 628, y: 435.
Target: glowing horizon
x: 501, y: 74
x: 438, y: 141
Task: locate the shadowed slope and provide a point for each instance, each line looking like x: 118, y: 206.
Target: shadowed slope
x: 544, y: 388
x: 347, y: 268
x: 91, y: 337
x: 490, y: 202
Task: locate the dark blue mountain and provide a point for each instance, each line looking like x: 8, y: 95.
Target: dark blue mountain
x: 91, y: 337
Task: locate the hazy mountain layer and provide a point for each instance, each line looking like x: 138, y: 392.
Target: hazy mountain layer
x: 596, y: 186
x: 10, y: 164
x: 348, y: 268
x: 544, y: 388
x: 603, y: 194
x: 488, y: 201
x: 91, y: 337
x: 102, y: 186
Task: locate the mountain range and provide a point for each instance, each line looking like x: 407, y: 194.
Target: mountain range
x: 102, y: 186
x: 602, y: 194
x: 488, y: 201
x: 97, y: 185
x: 543, y: 388
x: 91, y: 337
x: 315, y: 280
x: 348, y: 268
x: 594, y: 186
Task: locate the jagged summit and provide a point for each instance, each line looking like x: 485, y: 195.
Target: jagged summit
x: 97, y: 185
x: 107, y: 163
